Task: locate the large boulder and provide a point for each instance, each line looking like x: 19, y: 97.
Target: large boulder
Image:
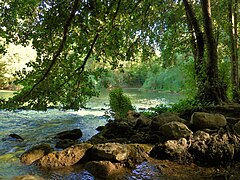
x: 114, y: 152
x: 35, y: 153
x: 66, y: 157
x: 215, y: 149
x: 202, y: 120
x: 175, y: 130
x: 116, y: 129
x: 163, y: 118
x: 171, y: 149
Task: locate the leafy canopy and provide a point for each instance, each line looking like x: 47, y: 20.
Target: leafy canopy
x: 68, y: 36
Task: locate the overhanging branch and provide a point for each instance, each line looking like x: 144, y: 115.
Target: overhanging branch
x: 61, y: 46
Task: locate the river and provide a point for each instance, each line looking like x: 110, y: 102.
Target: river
x: 38, y: 127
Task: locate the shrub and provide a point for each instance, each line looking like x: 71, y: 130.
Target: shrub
x: 120, y: 104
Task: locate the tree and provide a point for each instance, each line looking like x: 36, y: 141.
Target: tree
x: 69, y: 35
x: 233, y: 46
x: 210, y: 87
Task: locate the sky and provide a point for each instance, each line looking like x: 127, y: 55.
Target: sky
x: 17, y: 56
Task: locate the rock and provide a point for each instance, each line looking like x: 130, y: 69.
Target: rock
x: 142, y: 122
x: 114, y: 152
x: 138, y: 120
x: 100, y: 128
x: 171, y: 149
x: 212, y: 149
x: 65, y: 143
x: 220, y: 150
x: 13, y: 137
x: 202, y: 120
x: 35, y: 153
x: 237, y: 127
x: 28, y: 177
x: 138, y: 153
x: 115, y: 130
x: 175, y: 130
x: 104, y: 169
x: 199, y: 145
x: 145, y: 138
x: 66, y: 157
x: 72, y: 134
x: 163, y: 118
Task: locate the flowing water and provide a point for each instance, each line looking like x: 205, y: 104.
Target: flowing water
x: 38, y: 127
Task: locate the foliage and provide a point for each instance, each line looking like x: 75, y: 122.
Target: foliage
x: 120, y: 104
x: 76, y: 40
x: 2, y: 72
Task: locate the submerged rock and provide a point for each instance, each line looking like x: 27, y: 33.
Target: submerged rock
x: 35, y: 153
x: 13, y: 137
x: 72, y: 134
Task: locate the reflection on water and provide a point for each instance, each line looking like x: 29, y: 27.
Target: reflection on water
x: 145, y: 171
x: 40, y: 127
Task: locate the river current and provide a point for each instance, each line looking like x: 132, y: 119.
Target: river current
x: 38, y: 127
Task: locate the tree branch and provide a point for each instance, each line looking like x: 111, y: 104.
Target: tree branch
x: 61, y: 46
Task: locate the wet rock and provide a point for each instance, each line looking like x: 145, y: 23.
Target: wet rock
x: 171, y: 149
x: 114, y: 152
x: 35, y: 153
x: 28, y: 177
x: 65, y: 143
x: 175, y: 130
x: 138, y: 153
x: 103, y: 169
x: 100, y: 128
x: 66, y: 157
x: 115, y: 130
x: 202, y: 120
x: 163, y: 118
x: 72, y: 134
x: 13, y: 137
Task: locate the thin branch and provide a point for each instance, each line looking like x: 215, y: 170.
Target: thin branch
x: 82, y: 67
x: 61, y: 46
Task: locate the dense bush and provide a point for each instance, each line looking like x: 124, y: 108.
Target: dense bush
x: 120, y: 104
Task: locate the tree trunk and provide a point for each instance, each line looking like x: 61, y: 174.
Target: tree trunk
x: 214, y: 91
x: 197, y: 40
x: 233, y: 48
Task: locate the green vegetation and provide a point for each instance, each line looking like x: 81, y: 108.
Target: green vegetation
x: 184, y: 46
x: 120, y: 104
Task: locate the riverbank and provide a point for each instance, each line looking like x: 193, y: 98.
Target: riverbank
x: 206, y: 146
